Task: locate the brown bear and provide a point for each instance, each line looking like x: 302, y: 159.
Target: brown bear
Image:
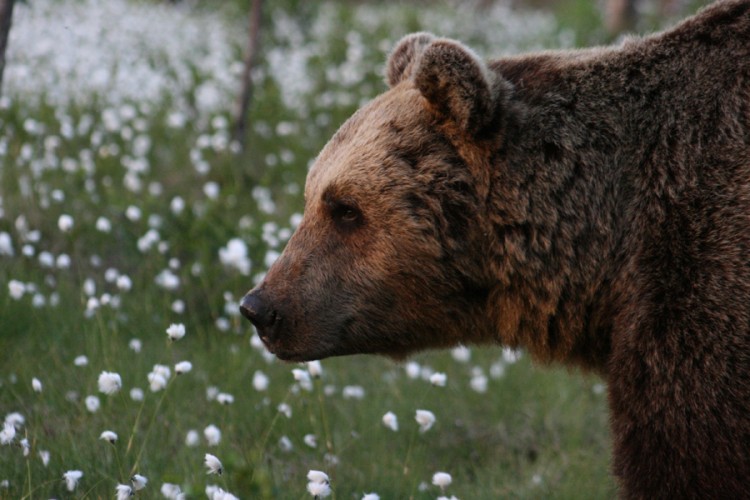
x: 589, y: 206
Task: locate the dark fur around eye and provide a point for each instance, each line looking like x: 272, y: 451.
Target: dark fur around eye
x: 345, y: 215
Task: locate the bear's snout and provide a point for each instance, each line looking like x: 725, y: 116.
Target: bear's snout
x: 258, y: 310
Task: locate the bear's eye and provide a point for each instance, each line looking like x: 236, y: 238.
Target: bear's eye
x: 346, y: 215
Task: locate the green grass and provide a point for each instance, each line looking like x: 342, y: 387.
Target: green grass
x: 537, y: 432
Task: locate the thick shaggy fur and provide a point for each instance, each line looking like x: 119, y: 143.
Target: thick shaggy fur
x: 590, y: 206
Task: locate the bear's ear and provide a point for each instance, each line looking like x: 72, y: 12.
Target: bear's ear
x: 404, y: 57
x: 458, y: 85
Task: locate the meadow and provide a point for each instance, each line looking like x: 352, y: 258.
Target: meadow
x: 131, y: 225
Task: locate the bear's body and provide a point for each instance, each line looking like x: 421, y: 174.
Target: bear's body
x: 592, y: 207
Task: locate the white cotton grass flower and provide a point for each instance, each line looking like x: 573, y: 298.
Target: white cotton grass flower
x: 442, y: 480
x: 92, y: 403
x: 370, y: 496
x: 103, y: 225
x: 25, y: 446
x: 183, y: 367
x: 214, y: 492
x: 109, y: 382
x: 211, y: 392
x: 158, y: 378
x: 438, y: 379
x: 286, y: 444
x: 109, y: 436
x: 124, y: 283
x: 235, y: 255
x: 6, y: 245
x: 192, y: 438
x: 425, y: 419
x: 212, y: 435
x: 16, y: 419
x: 123, y: 492
x: 462, y: 354
x: 16, y: 289
x: 8, y: 433
x: 135, y: 345
x: 138, y: 481
x: 136, y: 394
x: 44, y: 457
x: 260, y: 381
x: 413, y: 369
x: 224, y: 398
x: 36, y: 384
x: 353, y: 392
x: 65, y: 223
x: 319, y: 485
x: 311, y: 440
x: 285, y: 409
x: 315, y: 369
x: 176, y: 331
x: 81, y: 360
x: 172, y: 491
x: 213, y: 464
x: 71, y: 478
x: 390, y: 420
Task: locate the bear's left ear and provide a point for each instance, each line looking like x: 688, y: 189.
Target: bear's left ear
x: 458, y: 84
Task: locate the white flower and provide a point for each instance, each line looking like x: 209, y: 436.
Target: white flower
x: 425, y: 419
x: 108, y: 436
x: 159, y: 377
x: 303, y: 377
x: 285, y: 444
x: 213, y: 464
x: 71, y: 478
x: 103, y: 225
x: 16, y: 289
x: 124, y: 283
x: 479, y: 382
x: 171, y: 491
x: 224, y: 398
x: 183, y: 367
x: 44, y: 456
x: 353, y: 392
x: 109, y: 382
x: 16, y: 419
x: 510, y: 356
x: 235, y: 255
x: 260, y: 381
x: 136, y: 394
x: 285, y: 409
x: 135, y: 345
x: 319, y: 490
x: 26, y: 447
x: 438, y: 379
x: 315, y: 369
x: 370, y: 496
x: 192, y: 438
x: 36, y: 385
x: 413, y: 369
x: 139, y: 482
x: 81, y: 360
x: 311, y: 440
x: 124, y: 492
x: 92, y: 404
x: 211, y: 392
x: 391, y: 421
x: 176, y: 331
x: 65, y: 223
x: 442, y: 479
x: 316, y: 476
x: 6, y: 244
x: 462, y: 354
x: 212, y: 435
x: 8, y: 433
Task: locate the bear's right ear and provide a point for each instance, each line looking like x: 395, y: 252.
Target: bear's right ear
x: 404, y: 57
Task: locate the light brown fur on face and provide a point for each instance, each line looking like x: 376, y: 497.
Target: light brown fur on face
x: 589, y: 206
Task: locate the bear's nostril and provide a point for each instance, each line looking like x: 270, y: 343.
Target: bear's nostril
x: 254, y: 308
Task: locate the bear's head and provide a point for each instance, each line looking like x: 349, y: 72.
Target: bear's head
x: 389, y: 256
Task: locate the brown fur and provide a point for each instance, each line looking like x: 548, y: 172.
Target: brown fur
x: 590, y: 206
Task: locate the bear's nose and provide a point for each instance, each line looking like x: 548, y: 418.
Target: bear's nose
x: 256, y: 309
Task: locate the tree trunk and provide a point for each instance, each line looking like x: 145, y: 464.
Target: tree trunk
x: 6, y: 16
x: 239, y: 132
